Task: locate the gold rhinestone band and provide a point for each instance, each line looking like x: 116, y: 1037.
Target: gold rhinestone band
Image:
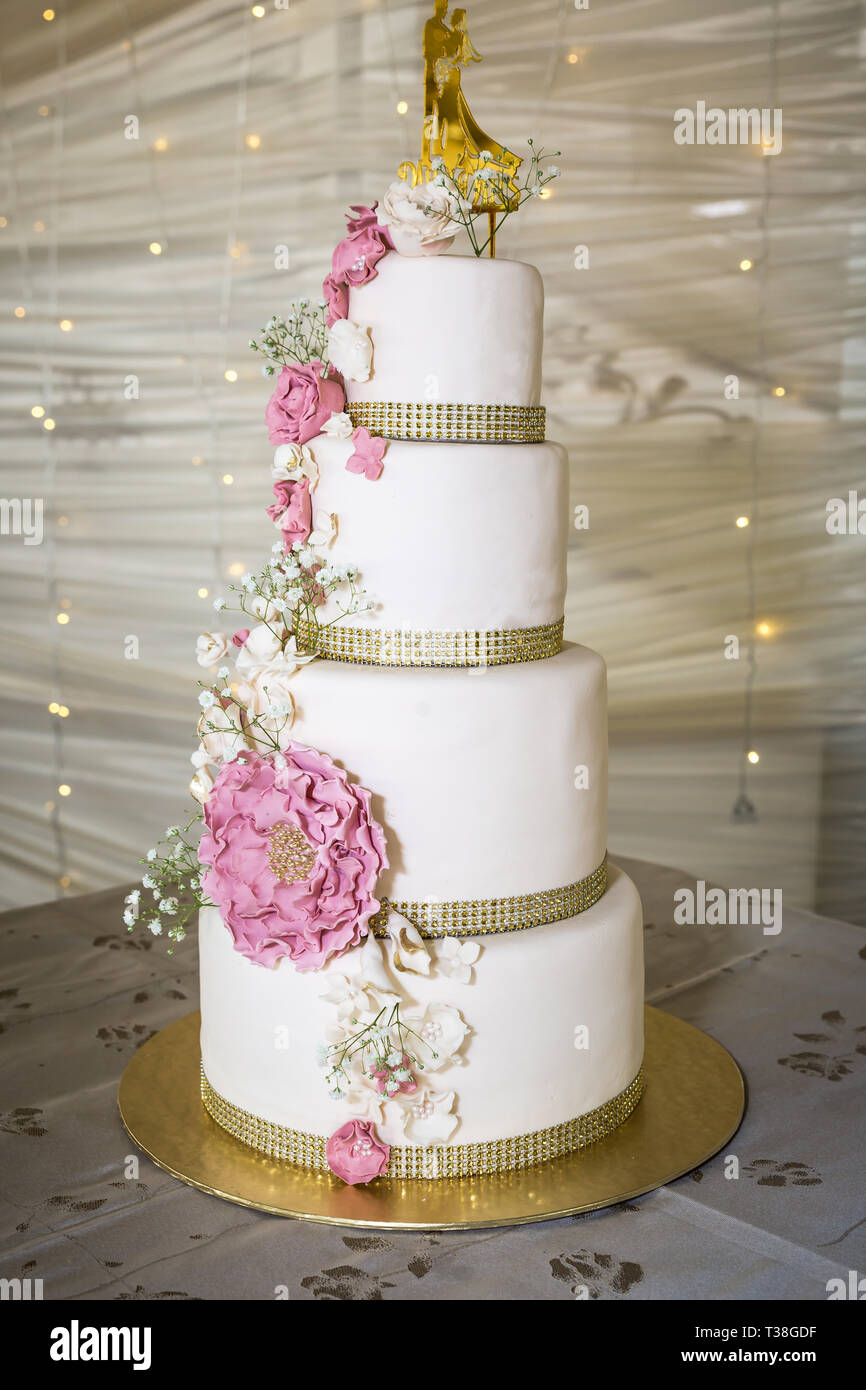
x: 439, y: 1161
x: 371, y: 646
x: 488, y: 915
x: 438, y: 420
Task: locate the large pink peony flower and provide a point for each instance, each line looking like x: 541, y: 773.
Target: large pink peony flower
x: 292, y: 509
x: 293, y: 856
x: 302, y: 402
x: 355, y: 257
x: 356, y: 1154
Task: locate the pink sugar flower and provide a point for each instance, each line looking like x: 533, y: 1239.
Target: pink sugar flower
x: 356, y: 256
x: 302, y: 401
x: 336, y: 294
x: 368, y: 455
x: 356, y: 1154
x: 293, y: 510
x: 292, y: 855
x: 240, y: 637
x: 384, y: 1074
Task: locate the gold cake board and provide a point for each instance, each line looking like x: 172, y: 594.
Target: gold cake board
x: 692, y: 1105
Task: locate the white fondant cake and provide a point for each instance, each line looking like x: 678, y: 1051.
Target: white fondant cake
x: 526, y: 1064
x: 441, y: 532
x: 484, y: 1010
x: 490, y: 782
x: 452, y: 329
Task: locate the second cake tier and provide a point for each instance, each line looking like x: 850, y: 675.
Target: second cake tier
x: 489, y: 782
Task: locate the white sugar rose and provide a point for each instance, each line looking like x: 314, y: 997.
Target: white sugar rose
x: 421, y: 220
x: 211, y: 647
x: 338, y: 426
x: 292, y: 462
x: 350, y: 350
x: 261, y: 647
x: 267, y: 694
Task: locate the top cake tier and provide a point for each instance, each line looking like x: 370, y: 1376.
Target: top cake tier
x: 453, y: 329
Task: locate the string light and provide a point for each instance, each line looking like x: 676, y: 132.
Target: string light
x: 155, y: 249
x: 66, y: 325
x: 746, y: 264
x: 258, y: 11
x: 764, y: 629
x: 402, y: 108
x: 230, y: 374
x: 202, y: 593
x: 48, y: 15
x: 53, y: 708
x: 572, y: 58
x: 253, y: 142
x: 227, y: 479
x: 63, y: 619
x: 48, y: 423
x: 197, y: 461
x: 753, y: 756
x: 39, y: 226
x: 20, y: 312
x: 236, y: 567
x: 742, y: 522
x: 45, y: 110
x: 37, y: 411
x: 160, y: 144
x: 64, y: 789
x: 779, y: 391
x: 63, y: 712
x: 4, y: 221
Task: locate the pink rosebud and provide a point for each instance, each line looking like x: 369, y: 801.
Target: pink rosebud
x: 355, y: 258
x: 336, y: 293
x: 302, y: 402
x: 356, y: 1154
x: 240, y: 637
x: 368, y: 455
x: 293, y: 509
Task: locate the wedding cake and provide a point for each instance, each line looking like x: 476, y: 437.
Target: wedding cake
x: 416, y: 961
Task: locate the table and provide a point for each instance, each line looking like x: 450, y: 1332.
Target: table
x: 775, y: 1215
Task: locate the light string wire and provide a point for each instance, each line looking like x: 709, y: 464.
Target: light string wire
x: 46, y: 377
x: 744, y: 808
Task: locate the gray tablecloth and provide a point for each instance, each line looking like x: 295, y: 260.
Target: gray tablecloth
x: 79, y: 995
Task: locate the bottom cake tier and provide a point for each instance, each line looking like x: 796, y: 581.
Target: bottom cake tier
x: 542, y: 1032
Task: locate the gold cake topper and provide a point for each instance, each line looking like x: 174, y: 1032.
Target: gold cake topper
x: 451, y: 133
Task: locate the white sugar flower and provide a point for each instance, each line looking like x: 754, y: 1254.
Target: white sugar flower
x: 421, y: 220
x: 350, y: 350
x: 206, y: 699
x: 441, y: 1032
x: 456, y: 958
x: 406, y: 945
x: 428, y: 1117
x: 201, y: 785
x: 293, y: 462
x: 211, y: 647
x: 338, y: 426
x: 324, y: 529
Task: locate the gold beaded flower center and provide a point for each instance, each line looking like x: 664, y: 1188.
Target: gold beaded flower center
x: 290, y: 854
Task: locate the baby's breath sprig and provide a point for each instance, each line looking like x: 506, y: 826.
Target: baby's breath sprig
x: 503, y: 188
x: 174, y: 884
x: 301, y: 337
x: 289, y: 592
x: 384, y: 1048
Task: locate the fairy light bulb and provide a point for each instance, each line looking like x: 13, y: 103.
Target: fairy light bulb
x: 753, y: 756
x: 742, y: 522
x: 746, y: 264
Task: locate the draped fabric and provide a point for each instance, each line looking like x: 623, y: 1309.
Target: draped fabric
x: 254, y: 135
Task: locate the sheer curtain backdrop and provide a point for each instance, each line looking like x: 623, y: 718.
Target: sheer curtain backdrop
x: 134, y: 271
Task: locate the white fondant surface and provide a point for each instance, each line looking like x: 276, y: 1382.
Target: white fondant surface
x: 522, y: 1069
x: 452, y: 536
x: 451, y: 328
x: 473, y: 772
